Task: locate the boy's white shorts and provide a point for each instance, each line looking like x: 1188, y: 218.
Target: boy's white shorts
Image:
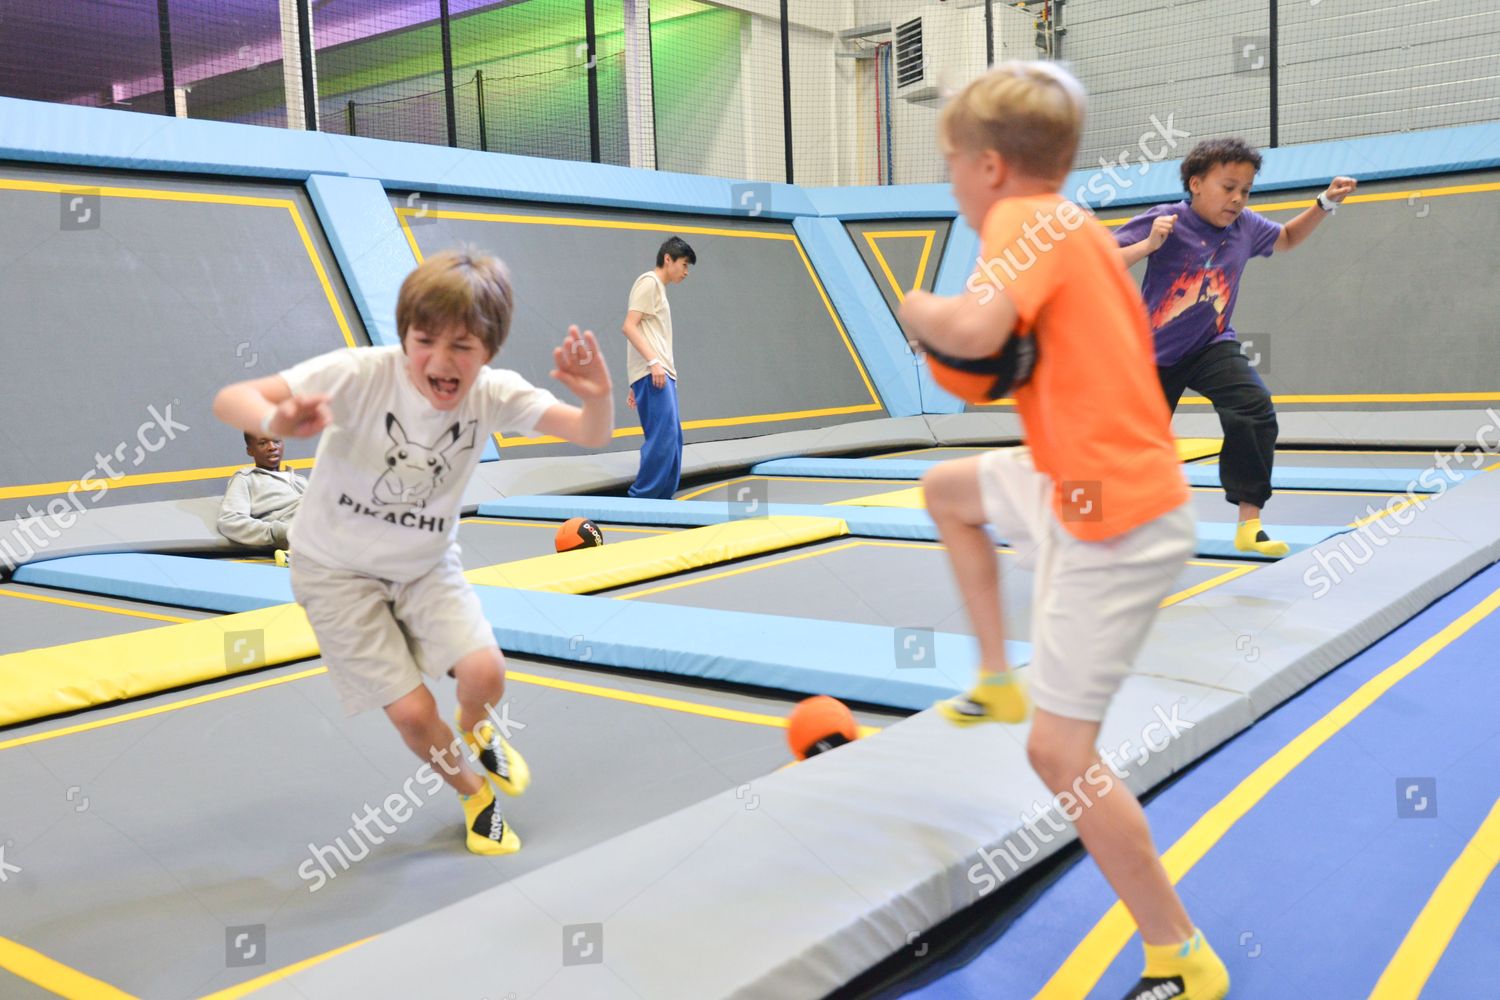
x: 1093, y: 602
x: 379, y: 637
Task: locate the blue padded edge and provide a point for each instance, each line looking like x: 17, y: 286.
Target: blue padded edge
x: 372, y: 253
x: 871, y: 327
x: 183, y: 581
x: 803, y: 655
x: 1373, y: 158
x: 845, y: 468
x: 1214, y: 539
x: 895, y: 201
x: 1299, y: 477
x: 960, y: 258
x: 98, y: 137
x: 866, y: 522
x: 371, y: 249
x: 846, y: 660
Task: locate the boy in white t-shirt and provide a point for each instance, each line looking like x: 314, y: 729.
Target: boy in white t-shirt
x: 377, y: 567
x: 652, y: 373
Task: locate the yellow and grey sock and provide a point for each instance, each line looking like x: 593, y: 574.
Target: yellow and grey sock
x: 505, y: 766
x: 1250, y: 537
x: 1187, y: 971
x: 997, y: 697
x: 485, y: 829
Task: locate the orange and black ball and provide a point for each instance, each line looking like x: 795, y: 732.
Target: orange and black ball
x: 578, y: 533
x: 818, y: 724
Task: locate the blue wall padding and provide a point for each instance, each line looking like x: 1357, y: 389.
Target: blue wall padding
x: 1380, y: 157
x: 872, y: 328
x: 802, y: 655
x: 845, y: 468
x: 867, y: 522
x: 895, y: 201
x: 183, y: 581
x: 371, y: 248
x: 372, y: 252
x: 960, y: 257
x: 1299, y: 477
x: 98, y: 137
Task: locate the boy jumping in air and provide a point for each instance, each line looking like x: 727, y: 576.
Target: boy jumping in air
x: 1198, y: 249
x: 1096, y: 498
x: 377, y: 567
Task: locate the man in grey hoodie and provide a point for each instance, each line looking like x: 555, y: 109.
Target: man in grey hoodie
x: 259, y: 502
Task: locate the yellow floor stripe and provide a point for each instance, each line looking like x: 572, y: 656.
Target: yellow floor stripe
x: 1082, y: 969
x: 95, y: 607
x: 95, y: 483
x: 1424, y: 945
x: 49, y: 974
x: 911, y: 498
x: 251, y: 985
x: 1207, y: 585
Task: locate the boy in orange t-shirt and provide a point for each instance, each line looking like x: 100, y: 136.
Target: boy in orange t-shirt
x: 1096, y: 501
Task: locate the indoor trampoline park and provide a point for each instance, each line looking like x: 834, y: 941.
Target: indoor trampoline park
x: 1004, y: 586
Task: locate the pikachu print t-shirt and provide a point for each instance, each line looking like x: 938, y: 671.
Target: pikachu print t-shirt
x: 385, y: 492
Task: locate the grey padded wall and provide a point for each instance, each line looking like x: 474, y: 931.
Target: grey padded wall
x: 1388, y: 296
x: 902, y: 254
x: 1347, y: 68
x: 126, y: 293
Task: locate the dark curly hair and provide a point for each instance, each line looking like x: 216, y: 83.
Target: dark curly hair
x: 1211, y: 152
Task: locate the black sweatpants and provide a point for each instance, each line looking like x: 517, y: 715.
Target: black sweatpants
x: 1221, y: 373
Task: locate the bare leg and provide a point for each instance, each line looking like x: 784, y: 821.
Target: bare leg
x: 1113, y: 829
x: 415, y: 717
x: 481, y: 685
x: 1248, y: 511
x: 953, y: 501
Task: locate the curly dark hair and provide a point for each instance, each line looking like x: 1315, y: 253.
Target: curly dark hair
x: 1211, y: 152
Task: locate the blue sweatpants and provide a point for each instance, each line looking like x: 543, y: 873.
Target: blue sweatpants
x: 661, y: 454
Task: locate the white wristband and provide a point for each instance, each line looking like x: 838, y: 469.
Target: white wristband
x: 1325, y: 204
x: 655, y: 361
x: 265, y: 422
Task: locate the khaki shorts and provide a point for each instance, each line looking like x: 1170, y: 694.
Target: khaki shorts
x: 1093, y: 602
x: 379, y: 637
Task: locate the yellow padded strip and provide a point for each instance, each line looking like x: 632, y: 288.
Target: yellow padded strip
x: 74, y: 675
x: 1192, y: 449
x: 584, y: 571
x: 909, y: 498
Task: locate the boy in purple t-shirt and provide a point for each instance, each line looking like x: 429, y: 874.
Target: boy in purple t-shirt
x: 1198, y: 249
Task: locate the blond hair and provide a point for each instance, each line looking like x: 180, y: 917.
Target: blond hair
x: 1031, y: 113
x: 458, y: 289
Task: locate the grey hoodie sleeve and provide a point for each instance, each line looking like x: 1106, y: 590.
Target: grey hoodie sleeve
x: 236, y: 524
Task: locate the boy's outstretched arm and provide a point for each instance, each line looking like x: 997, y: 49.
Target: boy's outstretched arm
x: 580, y: 367
x: 973, y: 324
x: 1160, y: 230
x: 1300, y: 228
x: 266, y: 406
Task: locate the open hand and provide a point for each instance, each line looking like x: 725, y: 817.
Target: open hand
x: 580, y: 365
x: 301, y: 417
x: 1160, y: 230
x: 1340, y: 189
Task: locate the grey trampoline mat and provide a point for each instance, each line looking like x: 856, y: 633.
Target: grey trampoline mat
x: 867, y: 581
x: 204, y: 818
x: 1294, y: 506
x: 942, y: 454
x: 487, y: 541
x: 1417, y: 460
x: 791, y: 489
x: 31, y: 617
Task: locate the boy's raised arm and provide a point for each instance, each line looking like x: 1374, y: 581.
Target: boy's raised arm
x: 580, y: 367
x: 1300, y: 228
x: 266, y: 406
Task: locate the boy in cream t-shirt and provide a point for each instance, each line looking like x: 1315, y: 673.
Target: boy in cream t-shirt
x: 651, y: 373
x: 377, y: 567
